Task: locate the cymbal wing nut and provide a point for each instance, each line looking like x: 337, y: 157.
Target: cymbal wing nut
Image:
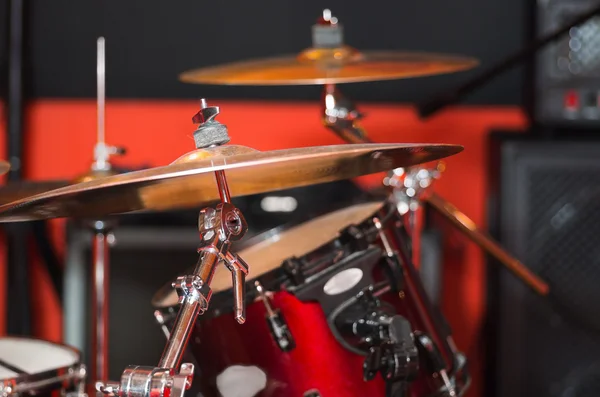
x: 327, y: 32
x: 210, y: 132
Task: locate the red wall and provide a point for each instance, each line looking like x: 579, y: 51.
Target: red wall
x: 60, y: 136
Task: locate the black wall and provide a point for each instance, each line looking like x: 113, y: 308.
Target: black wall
x: 149, y: 42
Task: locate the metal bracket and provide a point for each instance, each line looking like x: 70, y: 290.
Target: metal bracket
x: 410, y: 185
x: 138, y: 381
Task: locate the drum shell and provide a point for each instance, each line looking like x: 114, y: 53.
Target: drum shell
x: 319, y: 362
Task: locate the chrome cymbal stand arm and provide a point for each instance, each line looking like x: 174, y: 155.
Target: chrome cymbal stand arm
x: 341, y: 116
x: 218, y: 228
x: 100, y: 254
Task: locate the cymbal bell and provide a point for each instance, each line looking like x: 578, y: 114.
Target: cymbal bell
x: 329, y: 66
x: 190, y: 180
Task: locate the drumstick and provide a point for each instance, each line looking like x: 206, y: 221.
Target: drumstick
x: 469, y: 228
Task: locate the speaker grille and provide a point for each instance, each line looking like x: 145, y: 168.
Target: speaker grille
x: 550, y: 219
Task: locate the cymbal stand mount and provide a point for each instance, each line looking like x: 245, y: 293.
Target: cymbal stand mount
x: 218, y: 228
x: 409, y: 184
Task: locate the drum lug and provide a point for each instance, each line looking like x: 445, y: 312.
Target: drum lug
x: 394, y: 355
x: 392, y: 351
x: 276, y: 322
x: 293, y: 268
x: 354, y: 236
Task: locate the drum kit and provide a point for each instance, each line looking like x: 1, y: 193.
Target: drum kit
x: 330, y: 307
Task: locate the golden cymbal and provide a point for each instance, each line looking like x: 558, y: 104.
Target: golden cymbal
x: 14, y: 191
x: 190, y: 180
x: 4, y: 167
x: 329, y: 66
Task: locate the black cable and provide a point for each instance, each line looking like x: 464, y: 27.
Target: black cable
x: 432, y: 106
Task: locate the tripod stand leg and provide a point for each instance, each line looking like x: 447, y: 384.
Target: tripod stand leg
x: 100, y: 252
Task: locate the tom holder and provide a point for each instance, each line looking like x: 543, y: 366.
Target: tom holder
x: 218, y: 228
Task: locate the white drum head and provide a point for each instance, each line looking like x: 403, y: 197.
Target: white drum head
x: 33, y: 356
x: 270, y: 253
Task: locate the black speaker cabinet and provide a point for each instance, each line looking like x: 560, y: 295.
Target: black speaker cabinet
x: 545, y: 210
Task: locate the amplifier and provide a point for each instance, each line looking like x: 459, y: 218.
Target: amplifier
x: 566, y: 73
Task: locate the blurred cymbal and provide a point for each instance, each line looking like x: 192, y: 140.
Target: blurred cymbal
x: 190, y: 180
x: 4, y: 167
x: 14, y: 191
x: 329, y: 66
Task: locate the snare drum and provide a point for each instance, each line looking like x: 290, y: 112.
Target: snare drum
x: 307, y: 282
x: 37, y: 367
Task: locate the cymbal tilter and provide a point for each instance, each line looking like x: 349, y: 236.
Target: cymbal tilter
x: 341, y: 116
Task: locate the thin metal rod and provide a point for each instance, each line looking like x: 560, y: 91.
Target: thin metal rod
x: 101, y: 88
x: 99, y: 351
x: 434, y: 322
x: 188, y: 312
x: 223, y: 186
x: 415, y: 234
x: 334, y: 105
x: 262, y: 294
x: 469, y: 228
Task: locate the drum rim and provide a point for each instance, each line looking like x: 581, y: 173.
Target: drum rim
x: 46, y: 375
x: 167, y: 288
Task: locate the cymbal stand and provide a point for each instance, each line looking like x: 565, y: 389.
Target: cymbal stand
x: 410, y: 185
x: 218, y: 228
x: 101, y: 231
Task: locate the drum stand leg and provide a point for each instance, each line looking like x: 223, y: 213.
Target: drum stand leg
x: 100, y: 312
x: 411, y: 186
x: 218, y: 228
